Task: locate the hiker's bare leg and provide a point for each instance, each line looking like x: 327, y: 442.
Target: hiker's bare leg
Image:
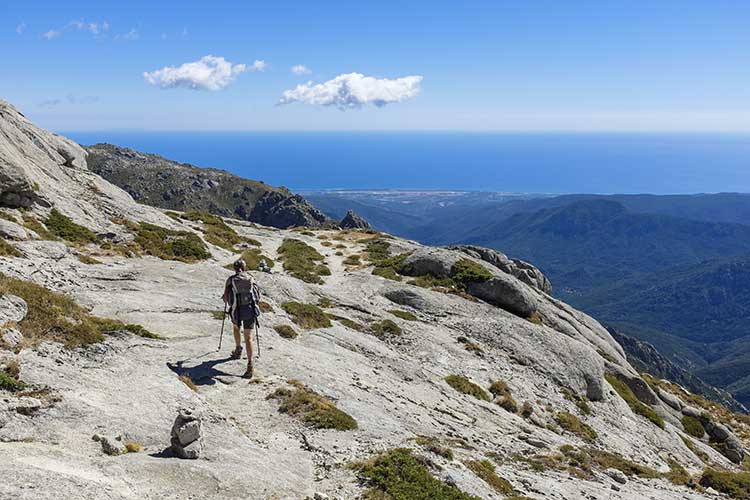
x: 249, y: 344
x: 236, y: 332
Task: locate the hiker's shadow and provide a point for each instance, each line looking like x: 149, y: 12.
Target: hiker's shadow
x: 202, y: 374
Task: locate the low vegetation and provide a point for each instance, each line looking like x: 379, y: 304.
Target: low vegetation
x: 581, y: 403
x: 466, y: 272
x: 57, y: 317
x: 285, y: 331
x: 485, y: 470
x: 349, y: 323
x: 379, y: 255
x: 572, y: 424
x: 311, y: 408
x: 215, y: 230
x: 693, y: 426
x: 8, y: 250
x: 733, y: 484
x: 352, y: 260
x: 399, y: 475
x: 677, y: 474
x: 185, y: 379
x: 87, y: 259
x: 302, y: 261
x: 466, y: 386
x: 308, y: 316
x: 133, y: 447
x: 385, y: 328
x: 635, y: 405
x: 470, y: 346
x: 405, y: 315
x: 167, y: 244
x: 30, y: 222
x: 432, y: 444
x: 502, y: 393
x: 536, y: 318
x: 10, y: 383
x: 63, y: 227
x: 696, y: 451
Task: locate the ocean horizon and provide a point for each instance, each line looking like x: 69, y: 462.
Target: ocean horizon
x: 552, y: 163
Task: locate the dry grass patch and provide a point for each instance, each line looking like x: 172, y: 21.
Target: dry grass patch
x: 311, y: 408
x: 30, y: 222
x: 571, y: 423
x: 466, y: 386
x: 285, y: 331
x: 87, y: 259
x: 733, y: 484
x: 485, y: 470
x: 405, y: 315
x: 432, y: 444
x: 8, y: 250
x: 252, y: 258
x: 133, y: 447
x: 185, y: 379
x: 385, y: 328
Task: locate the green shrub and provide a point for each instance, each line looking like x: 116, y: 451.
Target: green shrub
x: 466, y: 386
x: 8, y: 250
x: 405, y: 315
x: 63, y: 227
x: 216, y: 231
x: 693, y: 426
x: 10, y: 384
x: 30, y: 222
x: 387, y: 273
x: 107, y: 325
x: 379, y: 254
x: 465, y: 271
x: 432, y: 444
x: 485, y: 470
x: 571, y: 423
x: 385, y: 328
x: 399, y: 475
x: 352, y: 260
x: 734, y: 484
x: 430, y: 281
x: 308, y: 316
x: 351, y: 324
x: 499, y: 388
x: 170, y: 245
x: 378, y: 250
x: 311, y: 408
x: 302, y: 261
x: 285, y: 331
x: 635, y: 405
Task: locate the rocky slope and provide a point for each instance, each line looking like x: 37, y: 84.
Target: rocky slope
x: 387, y: 369
x: 159, y: 182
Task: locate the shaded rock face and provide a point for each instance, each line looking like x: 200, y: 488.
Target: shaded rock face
x: 282, y: 210
x: 157, y: 181
x: 501, y: 291
x: 353, y: 221
x: 515, y: 267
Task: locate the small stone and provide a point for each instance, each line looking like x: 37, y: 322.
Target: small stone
x: 189, y: 452
x: 616, y: 475
x: 112, y: 446
x: 320, y: 496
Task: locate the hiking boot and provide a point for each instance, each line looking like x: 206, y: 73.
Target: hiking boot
x: 249, y: 372
x: 237, y: 353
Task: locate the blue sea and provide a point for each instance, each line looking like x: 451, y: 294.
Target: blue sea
x: 531, y: 163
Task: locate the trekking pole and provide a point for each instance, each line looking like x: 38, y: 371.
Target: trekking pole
x: 257, y: 336
x: 223, y: 319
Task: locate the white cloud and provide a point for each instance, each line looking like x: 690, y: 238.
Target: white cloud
x: 301, y: 69
x: 95, y: 28
x: 208, y: 73
x: 259, y: 65
x: 353, y: 90
x: 20, y: 28
x: 129, y: 36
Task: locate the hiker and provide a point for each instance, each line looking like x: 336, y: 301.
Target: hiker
x: 242, y: 296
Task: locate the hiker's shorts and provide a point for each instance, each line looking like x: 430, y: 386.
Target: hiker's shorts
x: 248, y: 324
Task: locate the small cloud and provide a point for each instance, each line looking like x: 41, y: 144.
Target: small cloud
x: 354, y: 90
x: 207, y: 73
x: 129, y: 36
x: 49, y: 35
x: 81, y: 99
x: 259, y: 65
x: 50, y: 103
x: 20, y: 28
x: 301, y: 69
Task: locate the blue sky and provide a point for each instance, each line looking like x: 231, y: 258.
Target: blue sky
x: 494, y: 65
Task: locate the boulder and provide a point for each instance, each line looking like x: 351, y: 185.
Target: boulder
x: 353, y: 221
x: 12, y: 309
x: 717, y: 432
x: 733, y: 450
x: 515, y: 267
x: 616, y: 475
x: 429, y: 261
x: 11, y: 338
x: 186, y: 434
x: 13, y: 231
x: 112, y: 445
x: 670, y: 399
x: 507, y: 293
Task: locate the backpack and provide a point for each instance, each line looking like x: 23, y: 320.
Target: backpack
x: 246, y: 293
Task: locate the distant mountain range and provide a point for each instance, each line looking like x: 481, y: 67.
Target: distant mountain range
x: 671, y: 270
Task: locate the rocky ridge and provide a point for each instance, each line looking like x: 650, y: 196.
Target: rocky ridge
x: 460, y: 358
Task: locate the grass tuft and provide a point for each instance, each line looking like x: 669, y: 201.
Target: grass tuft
x: 185, y: 379
x: 285, y: 331
x: 385, y: 328
x: 8, y: 250
x: 432, y: 444
x: 485, y: 470
x: 398, y: 475
x: 635, y: 405
x: 693, y: 426
x: 466, y: 386
x: 107, y: 325
x: 252, y: 258
x: 308, y: 316
x: 573, y: 424
x: 465, y: 271
x: 405, y: 315
x: 312, y: 408
x: 302, y: 261
x: 133, y: 447
x: 10, y: 383
x: 733, y: 484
